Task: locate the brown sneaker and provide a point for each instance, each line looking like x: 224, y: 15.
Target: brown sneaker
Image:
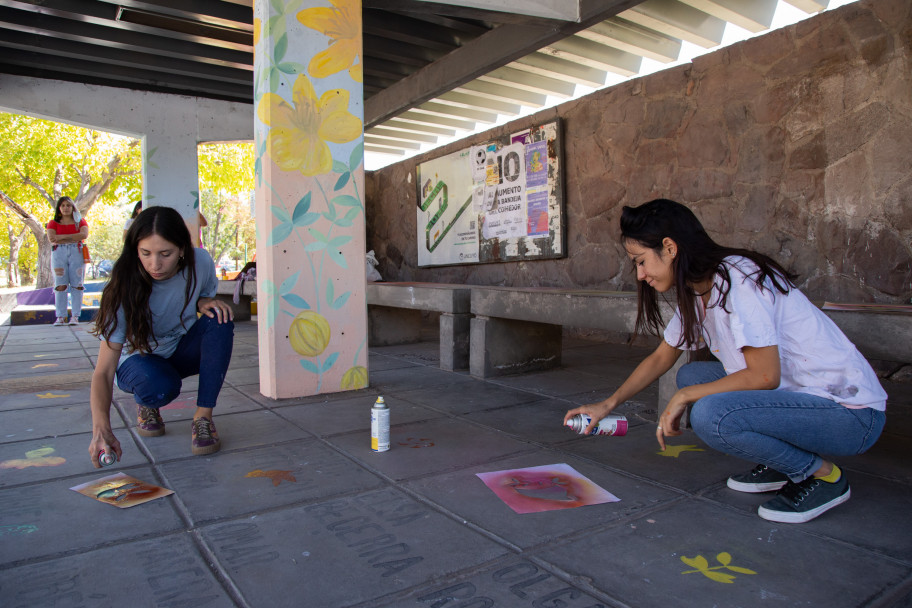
x: 150, y: 423
x: 204, y: 438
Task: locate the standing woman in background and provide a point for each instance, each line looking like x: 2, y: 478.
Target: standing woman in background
x: 151, y: 335
x: 66, y: 232
x: 136, y: 210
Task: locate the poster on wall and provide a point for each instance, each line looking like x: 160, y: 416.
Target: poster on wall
x: 501, y: 201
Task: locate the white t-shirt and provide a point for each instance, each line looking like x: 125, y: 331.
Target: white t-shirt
x: 815, y: 356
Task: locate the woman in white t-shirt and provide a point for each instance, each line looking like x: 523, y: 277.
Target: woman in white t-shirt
x: 787, y: 385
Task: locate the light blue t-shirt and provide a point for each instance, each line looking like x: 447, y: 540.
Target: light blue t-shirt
x: 166, y: 302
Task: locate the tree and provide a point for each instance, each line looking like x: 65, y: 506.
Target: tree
x: 226, y: 173
x: 42, y: 160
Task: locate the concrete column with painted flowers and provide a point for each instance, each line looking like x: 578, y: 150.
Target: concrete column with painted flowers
x: 309, y: 109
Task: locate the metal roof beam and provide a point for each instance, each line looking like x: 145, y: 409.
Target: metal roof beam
x: 474, y: 101
x: 388, y: 143
x: 530, y: 82
x: 595, y: 55
x: 401, y: 125
x: 628, y: 36
x: 566, y: 10
x: 502, y: 92
x: 679, y: 20
x: 494, y: 49
x: 394, y: 134
x: 429, y: 119
x: 546, y: 65
x: 809, y: 6
x: 752, y: 15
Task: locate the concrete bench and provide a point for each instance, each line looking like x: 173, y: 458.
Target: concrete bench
x: 519, y: 329
x: 225, y: 292
x: 394, y: 317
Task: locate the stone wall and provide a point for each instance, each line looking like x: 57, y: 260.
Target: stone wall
x: 797, y: 143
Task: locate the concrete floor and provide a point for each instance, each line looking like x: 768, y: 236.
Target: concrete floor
x: 296, y: 510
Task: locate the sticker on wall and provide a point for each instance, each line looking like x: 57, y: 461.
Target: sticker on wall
x: 545, y: 488
x: 121, y: 490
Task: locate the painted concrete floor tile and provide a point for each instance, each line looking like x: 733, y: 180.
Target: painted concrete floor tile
x: 347, y: 415
x: 252, y: 481
x: 430, y: 446
x: 236, y: 432
x: 50, y: 519
x: 703, y: 555
x: 28, y: 462
x: 348, y: 550
x: 687, y: 463
x: 169, y: 572
x: 48, y: 422
x: 469, y: 397
x: 463, y: 493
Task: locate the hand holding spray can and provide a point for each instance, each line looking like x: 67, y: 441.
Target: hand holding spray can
x: 612, y: 424
x: 105, y: 459
x: 380, y: 426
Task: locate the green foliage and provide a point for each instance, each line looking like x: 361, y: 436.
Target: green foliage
x: 42, y: 160
x: 226, y: 178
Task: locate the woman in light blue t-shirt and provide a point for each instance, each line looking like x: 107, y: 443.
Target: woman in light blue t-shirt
x: 151, y: 336
x: 786, y: 385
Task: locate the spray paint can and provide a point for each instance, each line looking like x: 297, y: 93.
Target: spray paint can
x: 105, y: 459
x: 380, y: 426
x: 612, y: 424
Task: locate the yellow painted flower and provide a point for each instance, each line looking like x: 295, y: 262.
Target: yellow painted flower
x: 299, y: 131
x: 257, y: 23
x: 309, y: 333
x: 342, y: 23
x: 354, y: 378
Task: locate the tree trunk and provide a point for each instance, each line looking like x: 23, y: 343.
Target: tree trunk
x: 15, y: 244
x: 45, y: 272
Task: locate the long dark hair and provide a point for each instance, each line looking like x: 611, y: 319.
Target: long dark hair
x: 130, y: 285
x: 698, y: 259
x: 137, y: 209
x: 59, y: 216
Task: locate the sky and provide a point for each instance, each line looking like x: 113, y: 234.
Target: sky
x: 785, y: 15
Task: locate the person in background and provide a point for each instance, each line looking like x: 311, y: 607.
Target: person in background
x: 137, y: 208
x: 151, y: 335
x: 787, y: 385
x: 67, y: 233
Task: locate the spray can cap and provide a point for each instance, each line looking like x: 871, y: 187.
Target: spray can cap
x: 380, y: 399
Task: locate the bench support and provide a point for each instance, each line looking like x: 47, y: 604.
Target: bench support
x: 388, y: 326
x: 241, y: 310
x: 454, y: 340
x: 504, y: 346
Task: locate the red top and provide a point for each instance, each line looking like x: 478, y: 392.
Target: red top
x: 62, y: 229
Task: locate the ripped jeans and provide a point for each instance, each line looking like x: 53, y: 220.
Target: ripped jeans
x: 205, y: 349
x: 785, y: 430
x: 68, y: 266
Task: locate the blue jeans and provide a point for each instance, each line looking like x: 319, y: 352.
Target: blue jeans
x: 785, y: 430
x: 156, y: 381
x: 69, y: 270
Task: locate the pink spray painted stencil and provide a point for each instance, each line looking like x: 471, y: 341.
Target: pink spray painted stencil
x: 545, y: 488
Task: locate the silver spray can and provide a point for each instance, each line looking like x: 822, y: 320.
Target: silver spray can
x: 380, y: 426
x: 612, y: 424
x: 105, y: 459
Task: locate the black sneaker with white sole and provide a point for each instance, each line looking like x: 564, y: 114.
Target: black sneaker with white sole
x: 797, y: 503
x: 760, y: 479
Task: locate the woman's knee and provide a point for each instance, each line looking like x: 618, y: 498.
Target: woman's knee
x: 699, y: 372
x: 157, y: 394
x: 60, y: 288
